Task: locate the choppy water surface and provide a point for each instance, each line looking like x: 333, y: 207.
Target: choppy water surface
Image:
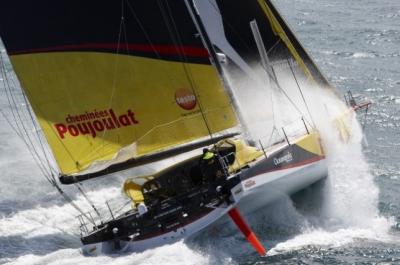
x: 352, y: 218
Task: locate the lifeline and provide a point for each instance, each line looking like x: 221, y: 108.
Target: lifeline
x: 104, y: 120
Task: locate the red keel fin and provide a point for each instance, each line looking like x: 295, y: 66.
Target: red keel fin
x: 245, y: 229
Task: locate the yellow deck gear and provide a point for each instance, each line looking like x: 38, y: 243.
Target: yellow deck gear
x: 134, y: 192
x: 244, y: 154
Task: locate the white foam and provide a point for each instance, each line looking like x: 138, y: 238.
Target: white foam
x: 363, y: 55
x: 177, y: 253
x: 320, y: 237
x: 60, y: 218
x: 350, y: 196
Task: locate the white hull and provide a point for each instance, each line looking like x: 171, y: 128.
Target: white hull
x: 265, y: 188
x: 271, y: 186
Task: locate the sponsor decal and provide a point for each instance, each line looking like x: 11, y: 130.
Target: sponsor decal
x: 172, y: 225
x: 167, y: 212
x: 283, y: 159
x: 249, y: 183
x: 92, y: 123
x: 186, y: 99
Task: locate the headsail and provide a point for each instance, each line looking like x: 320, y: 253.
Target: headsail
x: 227, y: 24
x: 112, y: 81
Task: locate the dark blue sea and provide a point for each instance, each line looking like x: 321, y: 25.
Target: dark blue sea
x: 353, y: 217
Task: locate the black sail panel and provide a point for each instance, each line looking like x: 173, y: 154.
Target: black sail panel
x: 279, y: 40
x: 49, y: 26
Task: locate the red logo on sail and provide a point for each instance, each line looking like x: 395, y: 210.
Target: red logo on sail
x: 186, y: 99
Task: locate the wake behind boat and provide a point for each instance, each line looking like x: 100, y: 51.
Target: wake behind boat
x: 116, y: 85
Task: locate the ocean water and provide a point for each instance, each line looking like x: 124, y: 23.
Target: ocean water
x: 351, y: 218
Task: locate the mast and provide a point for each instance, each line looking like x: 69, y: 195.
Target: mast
x: 194, y: 13
x: 262, y: 51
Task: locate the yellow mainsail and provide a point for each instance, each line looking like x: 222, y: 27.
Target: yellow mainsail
x: 92, y: 105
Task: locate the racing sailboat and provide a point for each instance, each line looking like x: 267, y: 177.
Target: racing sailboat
x: 119, y: 84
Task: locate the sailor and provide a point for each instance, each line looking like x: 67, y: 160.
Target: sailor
x: 207, y: 154
x: 210, y: 166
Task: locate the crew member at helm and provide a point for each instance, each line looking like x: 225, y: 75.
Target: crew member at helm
x: 210, y: 166
x: 207, y: 154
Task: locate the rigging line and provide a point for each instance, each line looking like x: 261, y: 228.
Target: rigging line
x: 236, y: 32
x: 272, y: 107
x: 19, y: 134
x: 274, y: 46
x: 45, y: 174
x: 116, y: 60
x: 273, y: 78
x: 122, y: 207
x: 17, y: 129
x: 275, y: 81
x: 274, y: 129
x: 8, y: 90
x: 301, y: 91
x: 69, y: 200
x: 31, y: 148
x: 9, y: 123
x: 116, y: 63
x: 113, y: 88
x: 114, y: 81
x: 80, y: 188
x: 146, y: 35
x: 51, y: 169
x: 122, y: 27
x: 50, y: 125
x: 117, y: 52
x: 143, y: 30
x: 178, y: 42
x: 20, y: 126
x: 226, y: 22
x: 131, y: 69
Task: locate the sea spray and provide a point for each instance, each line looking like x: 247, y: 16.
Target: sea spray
x: 347, y: 202
x: 349, y: 206
x: 351, y: 196
x: 178, y: 253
